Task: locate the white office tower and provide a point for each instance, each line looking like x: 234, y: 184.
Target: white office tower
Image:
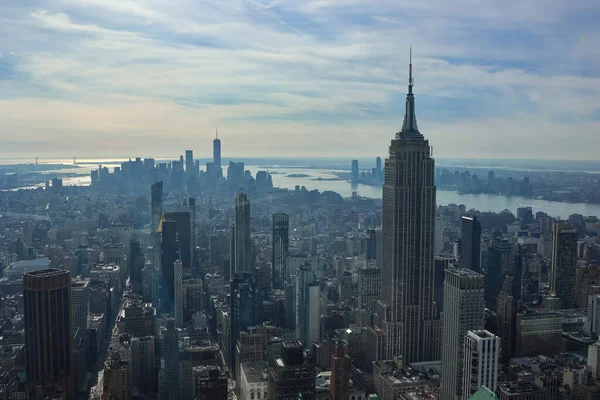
x: 80, y: 304
x: 482, y: 351
x: 464, y: 310
x: 178, y: 277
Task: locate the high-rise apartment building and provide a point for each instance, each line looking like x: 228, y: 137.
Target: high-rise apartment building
x: 48, y: 328
x: 564, y: 263
x: 406, y: 311
x: 471, y: 243
x: 482, y: 350
x: 242, y: 233
x: 464, y: 310
x: 280, y: 250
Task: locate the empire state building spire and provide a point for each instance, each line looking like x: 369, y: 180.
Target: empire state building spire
x: 409, y: 127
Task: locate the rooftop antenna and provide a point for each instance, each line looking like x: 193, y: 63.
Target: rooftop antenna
x: 217, y: 132
x: 410, y: 78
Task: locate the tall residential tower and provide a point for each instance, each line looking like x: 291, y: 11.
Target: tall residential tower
x: 406, y: 310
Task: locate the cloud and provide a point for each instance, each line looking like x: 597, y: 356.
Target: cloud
x: 321, y: 72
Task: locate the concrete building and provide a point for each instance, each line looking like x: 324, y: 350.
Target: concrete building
x: 254, y: 381
x: 17, y: 269
x: 369, y: 288
x: 482, y: 352
x: 406, y: 310
x: 290, y: 375
x: 564, y: 263
x: 464, y: 310
x: 521, y: 390
x: 593, y: 360
x: 116, y: 382
x: 341, y: 364
x: 251, y: 347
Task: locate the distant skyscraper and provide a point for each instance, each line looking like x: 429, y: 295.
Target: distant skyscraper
x: 406, y: 312
x: 464, y: 310
x: 354, y: 177
x: 242, y: 233
x: 378, y: 168
x: 471, y: 243
x: 507, y: 321
x: 150, y: 283
x: 439, y: 236
x: 243, y: 293
x: 564, y: 263
x: 481, y: 353
x: 500, y: 263
x: 192, y: 208
x: 189, y: 161
x: 178, y: 281
x: 183, y: 228
x: 371, y: 244
x: 217, y: 151
x: 156, y: 204
x: 48, y: 328
x: 279, y: 258
x: 143, y: 364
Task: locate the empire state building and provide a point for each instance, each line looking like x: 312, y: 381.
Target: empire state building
x: 406, y: 310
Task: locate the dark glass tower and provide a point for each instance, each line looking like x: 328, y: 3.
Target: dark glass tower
x: 243, y: 297
x: 471, y: 243
x: 183, y: 228
x: 242, y: 233
x: 406, y: 310
x: 564, y: 263
x: 156, y: 203
x: 48, y: 327
x: 279, y: 255
x: 169, y: 253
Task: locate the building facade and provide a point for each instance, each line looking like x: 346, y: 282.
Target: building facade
x: 564, y: 263
x: 280, y: 250
x: 482, y: 351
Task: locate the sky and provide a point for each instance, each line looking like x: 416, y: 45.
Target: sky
x: 310, y: 78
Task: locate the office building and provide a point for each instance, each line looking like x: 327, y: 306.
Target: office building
x: 243, y: 297
x: 471, y: 243
x: 290, y: 376
x: 48, y: 328
x: 242, y: 233
x: 251, y: 346
x: 500, y: 263
x: 80, y: 303
x: 144, y: 374
x: 192, y: 209
x: 378, y: 168
x: 210, y: 383
x: 464, y: 310
x: 150, y: 283
x: 178, y: 280
x: 280, y: 250
x: 438, y: 240
x: 116, y: 382
x: 170, y: 369
x: 441, y: 263
x: 507, y: 321
x: 371, y: 245
x: 564, y: 263
x: 183, y: 230
x: 482, y: 350
x: 369, y: 288
x: 254, y: 381
x: 354, y: 172
x: 538, y: 332
x: 307, y: 306
x: 406, y: 311
x: 169, y: 253
x: 522, y: 390
x: 341, y: 364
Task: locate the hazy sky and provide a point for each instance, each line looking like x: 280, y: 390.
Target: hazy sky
x: 510, y: 78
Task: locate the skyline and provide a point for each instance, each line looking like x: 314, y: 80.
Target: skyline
x: 116, y: 77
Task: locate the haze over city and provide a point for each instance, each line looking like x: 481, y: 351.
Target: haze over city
x: 121, y: 78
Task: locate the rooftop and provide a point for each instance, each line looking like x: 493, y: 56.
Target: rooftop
x: 255, y: 371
